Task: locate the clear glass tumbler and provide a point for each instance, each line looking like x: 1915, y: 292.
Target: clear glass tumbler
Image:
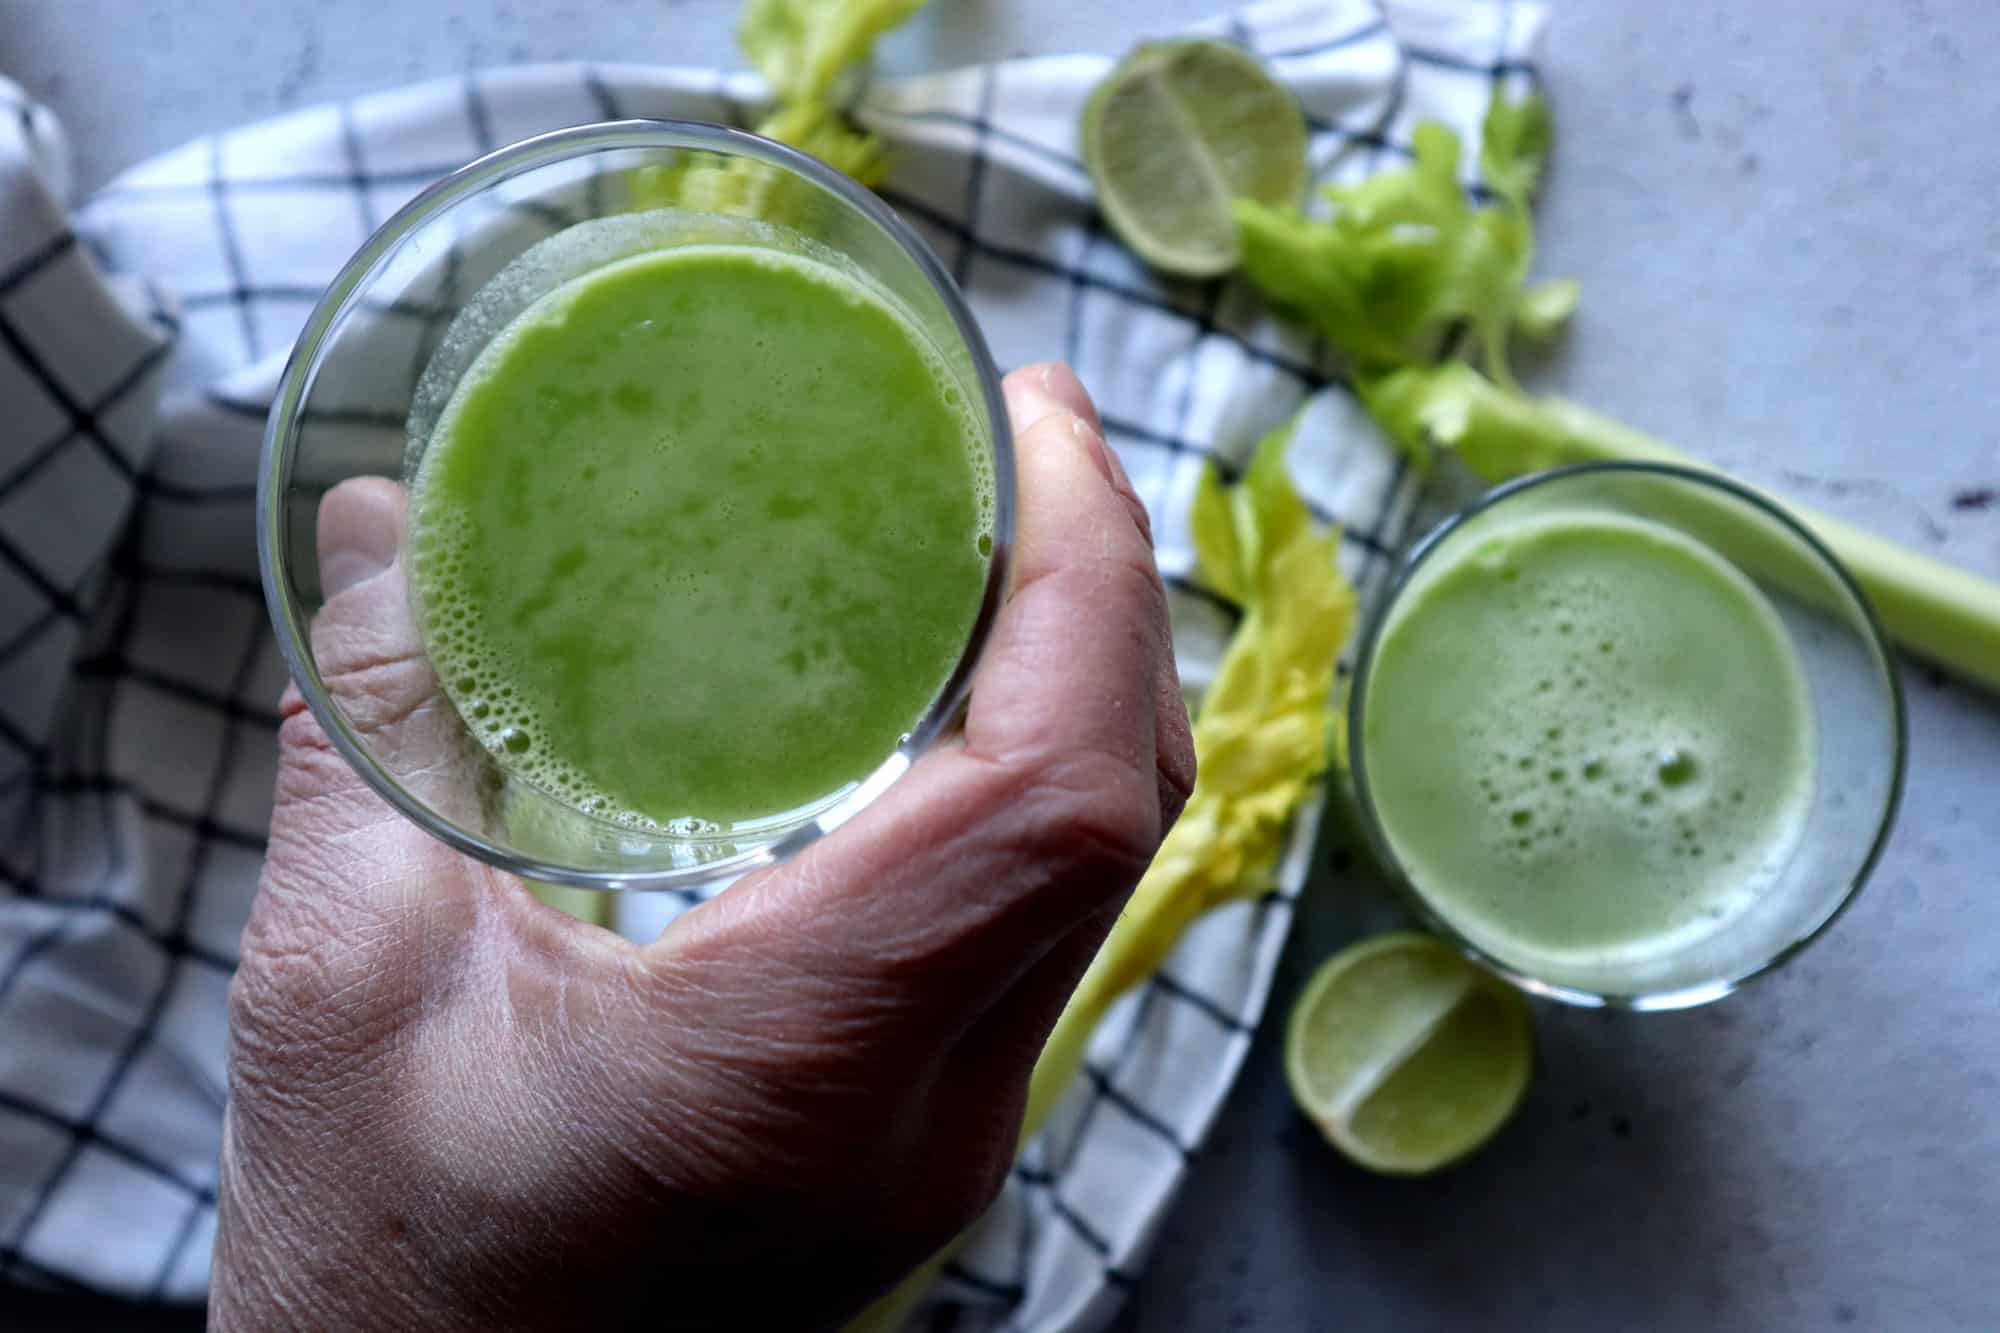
x: 382, y: 352
x: 1856, y: 743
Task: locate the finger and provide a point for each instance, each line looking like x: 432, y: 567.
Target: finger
x: 1034, y: 394
x: 358, y: 912
x: 1037, y: 393
x: 991, y: 851
x: 1086, y: 618
x: 1059, y: 389
x: 331, y: 834
x: 360, y: 533
x: 365, y: 642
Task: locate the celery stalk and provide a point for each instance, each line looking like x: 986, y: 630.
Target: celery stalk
x: 1936, y: 610
x: 1405, y: 265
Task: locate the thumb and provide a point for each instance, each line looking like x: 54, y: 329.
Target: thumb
x: 364, y: 640
x: 328, y: 826
x: 360, y: 916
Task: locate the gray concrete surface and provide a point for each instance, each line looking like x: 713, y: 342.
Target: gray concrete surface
x: 1785, y: 223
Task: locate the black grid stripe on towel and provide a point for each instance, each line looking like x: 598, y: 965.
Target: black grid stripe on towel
x: 138, y: 684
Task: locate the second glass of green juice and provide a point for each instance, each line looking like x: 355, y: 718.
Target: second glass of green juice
x: 1628, y: 733
x: 708, y: 512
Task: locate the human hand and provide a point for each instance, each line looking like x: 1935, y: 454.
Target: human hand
x: 453, y: 1107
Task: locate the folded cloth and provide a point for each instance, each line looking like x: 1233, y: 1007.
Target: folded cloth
x: 138, y: 678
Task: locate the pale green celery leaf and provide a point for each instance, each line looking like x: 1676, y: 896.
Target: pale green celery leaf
x: 1514, y: 146
x: 1545, y: 307
x: 1404, y: 263
x: 817, y: 128
x: 802, y: 46
x: 1426, y: 192
x: 1436, y: 151
x: 699, y: 184
x: 743, y: 187
x: 1312, y: 271
x: 1236, y: 527
x: 1492, y: 265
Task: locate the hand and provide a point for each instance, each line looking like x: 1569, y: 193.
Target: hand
x: 452, y: 1107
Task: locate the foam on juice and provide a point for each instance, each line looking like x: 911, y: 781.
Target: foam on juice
x: 1619, y: 800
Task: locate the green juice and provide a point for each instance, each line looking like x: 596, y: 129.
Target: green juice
x: 700, y: 535
x: 1589, y: 742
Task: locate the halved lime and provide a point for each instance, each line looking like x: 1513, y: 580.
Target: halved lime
x: 1407, y: 1055
x: 1178, y: 130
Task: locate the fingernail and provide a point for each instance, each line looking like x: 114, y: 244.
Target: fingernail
x: 1035, y: 392
x: 1063, y: 385
x: 1027, y: 404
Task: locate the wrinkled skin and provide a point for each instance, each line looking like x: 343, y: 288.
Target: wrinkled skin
x: 454, y: 1108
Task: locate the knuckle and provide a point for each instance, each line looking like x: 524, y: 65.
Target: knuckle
x: 1142, y: 519
x: 300, y: 735
x: 956, y: 1202
x: 965, y: 1171
x: 1117, y: 591
x: 309, y: 765
x: 1174, y: 796
x: 1088, y: 813
x: 1133, y: 576
x: 1177, y: 767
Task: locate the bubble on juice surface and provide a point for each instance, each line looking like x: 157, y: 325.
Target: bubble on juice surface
x: 1601, y: 754
x: 1676, y: 767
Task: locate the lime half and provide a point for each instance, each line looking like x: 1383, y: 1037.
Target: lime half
x: 1176, y: 132
x: 1406, y: 1055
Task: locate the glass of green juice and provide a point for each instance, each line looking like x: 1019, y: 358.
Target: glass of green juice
x: 1626, y: 733
x: 709, y: 503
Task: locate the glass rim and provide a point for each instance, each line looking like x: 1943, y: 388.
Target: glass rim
x: 293, y: 625
x: 1681, y: 997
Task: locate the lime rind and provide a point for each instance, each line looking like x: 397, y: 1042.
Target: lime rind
x: 1407, y: 1055
x: 1177, y: 132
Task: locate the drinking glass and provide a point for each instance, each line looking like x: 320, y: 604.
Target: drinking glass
x: 1858, y: 737
x: 383, y: 351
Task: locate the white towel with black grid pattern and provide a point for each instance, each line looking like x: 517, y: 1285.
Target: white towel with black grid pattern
x: 138, y: 680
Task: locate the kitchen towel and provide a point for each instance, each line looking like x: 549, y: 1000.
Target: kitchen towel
x: 140, y: 340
